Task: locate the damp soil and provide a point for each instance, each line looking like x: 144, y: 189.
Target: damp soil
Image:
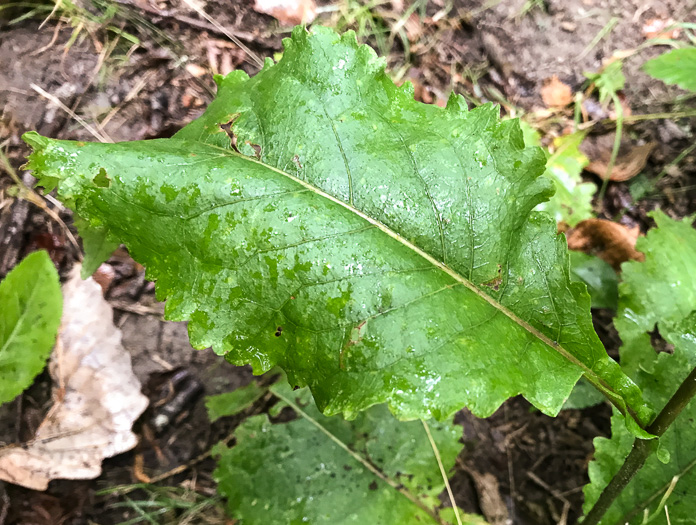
x: 517, y: 465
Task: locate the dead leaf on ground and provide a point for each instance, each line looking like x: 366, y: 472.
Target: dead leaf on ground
x: 612, y: 242
x: 288, y: 12
x: 555, y: 93
x: 657, y: 28
x: 630, y: 161
x: 96, y: 397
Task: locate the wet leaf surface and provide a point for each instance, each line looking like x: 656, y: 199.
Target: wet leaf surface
x: 377, y: 248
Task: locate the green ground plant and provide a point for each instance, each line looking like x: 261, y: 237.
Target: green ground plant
x: 380, y: 250
x: 31, y: 308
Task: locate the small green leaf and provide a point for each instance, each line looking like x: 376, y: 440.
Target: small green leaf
x: 675, y: 67
x: 376, y: 248
x: 610, y: 80
x: 572, y: 201
x: 231, y: 403
x: 98, y: 248
x: 600, y: 278
x: 295, y: 473
x: 30, y: 309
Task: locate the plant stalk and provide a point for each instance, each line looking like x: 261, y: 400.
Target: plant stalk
x: 642, y: 449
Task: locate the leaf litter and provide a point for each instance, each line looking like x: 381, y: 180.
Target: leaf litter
x: 612, y: 242
x: 96, y: 397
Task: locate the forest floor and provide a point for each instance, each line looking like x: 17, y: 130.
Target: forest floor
x: 139, y: 69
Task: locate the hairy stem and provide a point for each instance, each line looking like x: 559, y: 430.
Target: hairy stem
x: 642, y: 449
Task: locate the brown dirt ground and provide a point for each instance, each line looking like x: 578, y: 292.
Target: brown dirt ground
x: 532, y: 466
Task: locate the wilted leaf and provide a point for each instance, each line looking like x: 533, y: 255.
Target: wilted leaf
x: 96, y: 397
x: 30, y: 307
x: 231, y: 403
x: 662, y: 289
x: 376, y: 248
x: 630, y: 161
x: 555, y: 93
x: 295, y: 472
x: 288, y: 12
x: 612, y: 242
x: 600, y: 278
x: 572, y: 201
x: 675, y: 67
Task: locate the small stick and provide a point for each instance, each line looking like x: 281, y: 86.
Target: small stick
x: 96, y: 134
x: 442, y: 471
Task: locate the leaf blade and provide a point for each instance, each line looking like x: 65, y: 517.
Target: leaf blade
x: 307, y: 470
x: 677, y: 66
x: 404, y: 285
x: 31, y: 308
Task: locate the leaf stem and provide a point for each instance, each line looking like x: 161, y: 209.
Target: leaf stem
x: 642, y: 449
x: 442, y: 471
x: 615, y: 150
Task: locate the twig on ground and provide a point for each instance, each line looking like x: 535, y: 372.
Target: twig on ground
x: 100, y: 136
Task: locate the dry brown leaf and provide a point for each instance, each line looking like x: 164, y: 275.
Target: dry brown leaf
x: 288, y: 12
x: 555, y: 93
x: 612, y: 242
x: 657, y: 28
x: 629, y: 162
x: 96, y: 397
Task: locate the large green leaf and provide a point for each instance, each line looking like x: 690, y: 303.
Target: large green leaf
x: 661, y: 290
x: 296, y: 473
x: 675, y: 67
x: 376, y: 248
x: 30, y: 310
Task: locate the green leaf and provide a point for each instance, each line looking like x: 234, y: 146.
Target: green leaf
x: 376, y: 248
x: 600, y: 278
x: 31, y: 306
x: 675, y: 67
x: 584, y: 395
x: 660, y: 376
x: 659, y: 291
x: 231, y: 403
x: 98, y: 247
x: 296, y: 473
x: 572, y: 201
x: 609, y: 80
